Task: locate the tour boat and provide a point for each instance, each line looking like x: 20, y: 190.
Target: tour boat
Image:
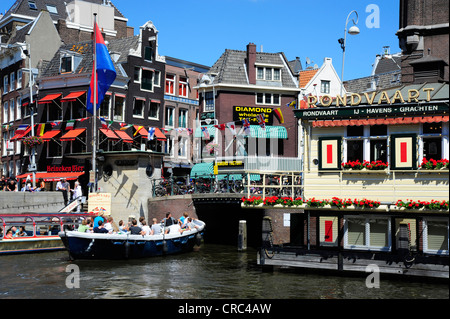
x: 41, y: 231
x: 126, y: 246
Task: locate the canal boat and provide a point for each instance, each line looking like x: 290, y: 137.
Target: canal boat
x: 39, y: 231
x: 126, y: 246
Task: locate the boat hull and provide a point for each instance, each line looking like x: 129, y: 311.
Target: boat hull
x: 114, y: 246
x: 30, y: 245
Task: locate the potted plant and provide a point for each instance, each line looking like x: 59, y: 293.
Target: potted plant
x: 355, y: 165
x: 32, y: 141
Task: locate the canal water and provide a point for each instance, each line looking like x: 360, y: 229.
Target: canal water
x: 213, y: 272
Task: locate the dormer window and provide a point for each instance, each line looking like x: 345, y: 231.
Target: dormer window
x: 69, y: 63
x: 268, y: 73
x: 32, y: 5
x: 52, y: 9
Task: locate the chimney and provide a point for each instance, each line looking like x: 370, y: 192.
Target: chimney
x: 251, y: 60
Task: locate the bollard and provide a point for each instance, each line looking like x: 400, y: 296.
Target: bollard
x: 242, y: 237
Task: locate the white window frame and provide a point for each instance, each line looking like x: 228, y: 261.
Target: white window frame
x: 5, y: 84
x: 367, y: 246
x: 18, y: 108
x: 271, y: 99
x: 12, y: 107
x: 325, y: 86
x: 366, y: 138
x: 268, y: 73
x: 115, y: 118
x: 425, y: 237
x: 186, y: 114
x: 183, y: 85
x: 5, y: 112
x: 12, y: 81
x: 157, y: 110
x: 172, y: 84
x: 444, y: 140
x: 19, y: 79
x: 169, y: 109
x: 142, y: 100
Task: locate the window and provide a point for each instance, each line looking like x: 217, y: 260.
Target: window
x: 54, y: 148
x: 105, y: 107
x: 148, y: 54
x: 435, y: 238
x: 52, y: 9
x: 183, y: 86
x: 268, y: 74
x: 325, y: 87
x: 12, y: 106
x: 5, y: 112
x: 157, y: 78
x: 138, y: 107
x: 147, y: 80
x: 209, y: 101
x: 12, y: 81
x: 182, y: 118
x: 19, y: 79
x: 32, y: 5
x: 432, y: 137
x: 119, y: 108
x: 182, y: 142
x: 18, y: 108
x: 169, y: 120
x: 137, y: 74
x: 328, y: 230
x: 267, y: 98
x: 66, y: 64
x: 366, y: 143
x: 170, y: 84
x: 153, y: 111
x: 367, y: 233
x: 5, y: 84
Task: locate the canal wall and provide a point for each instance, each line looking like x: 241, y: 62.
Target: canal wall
x: 24, y: 202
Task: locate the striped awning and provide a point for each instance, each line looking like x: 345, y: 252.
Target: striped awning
x: 381, y: 121
x: 203, y: 170
x: 279, y: 132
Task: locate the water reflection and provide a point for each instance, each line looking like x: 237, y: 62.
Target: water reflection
x: 213, y: 272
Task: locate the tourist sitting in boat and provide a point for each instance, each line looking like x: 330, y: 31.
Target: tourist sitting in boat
x: 9, y: 234
x: 183, y: 219
x: 84, y: 227
x: 169, y: 220
x: 156, y: 228
x: 110, y: 225
x: 22, y: 232
x: 145, y: 229
x: 135, y: 229
x: 122, y: 227
x: 100, y: 229
x: 98, y: 218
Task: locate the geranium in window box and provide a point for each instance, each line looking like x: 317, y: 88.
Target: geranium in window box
x: 434, y: 164
x: 313, y: 202
x: 355, y: 165
x: 375, y: 165
x: 366, y: 203
x: 252, y: 201
x: 33, y: 141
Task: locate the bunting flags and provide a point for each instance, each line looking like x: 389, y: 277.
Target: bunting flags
x: 151, y: 133
x: 105, y: 124
x: 55, y: 123
x: 261, y: 120
x: 21, y: 129
x: 205, y: 132
x: 246, y: 125
x: 106, y: 73
x: 124, y: 126
x: 292, y: 104
x: 232, y: 127
x: 137, y: 130
x: 279, y: 115
x: 221, y: 127
x: 70, y: 125
x: 40, y: 130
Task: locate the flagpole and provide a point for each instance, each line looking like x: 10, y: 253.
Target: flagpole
x: 94, y: 118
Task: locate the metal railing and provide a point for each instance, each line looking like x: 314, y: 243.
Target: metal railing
x: 287, y: 184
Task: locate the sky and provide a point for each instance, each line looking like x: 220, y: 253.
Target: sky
x: 201, y: 30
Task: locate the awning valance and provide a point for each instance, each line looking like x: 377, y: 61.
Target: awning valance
x: 49, y: 98
x: 203, y: 170
x: 72, y: 134
x: 72, y: 96
x: 51, y: 177
x: 382, y: 121
x: 49, y: 135
x: 279, y: 132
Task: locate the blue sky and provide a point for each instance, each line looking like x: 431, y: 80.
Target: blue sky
x: 201, y: 30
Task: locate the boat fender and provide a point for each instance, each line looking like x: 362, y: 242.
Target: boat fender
x: 165, y: 246
x: 89, y: 248
x: 198, y: 239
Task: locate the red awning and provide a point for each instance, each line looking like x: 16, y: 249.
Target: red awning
x: 72, y: 96
x: 110, y: 134
x: 20, y: 134
x: 51, y: 177
x: 124, y: 136
x: 49, y: 98
x: 49, y: 135
x: 159, y: 135
x: 385, y: 121
x: 142, y: 131
x: 72, y: 134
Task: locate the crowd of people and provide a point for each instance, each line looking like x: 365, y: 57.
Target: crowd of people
x: 12, y: 185
x: 105, y: 224
x: 13, y: 232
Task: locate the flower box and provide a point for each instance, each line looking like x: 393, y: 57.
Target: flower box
x: 32, y: 141
x: 433, y: 164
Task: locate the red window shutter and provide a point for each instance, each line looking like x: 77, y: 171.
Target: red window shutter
x: 328, y: 231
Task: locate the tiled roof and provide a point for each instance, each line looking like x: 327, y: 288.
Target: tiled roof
x: 121, y: 46
x: 386, y: 65
x: 306, y: 76
x: 21, y: 7
x: 231, y: 67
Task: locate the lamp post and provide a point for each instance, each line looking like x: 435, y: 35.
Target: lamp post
x: 354, y: 30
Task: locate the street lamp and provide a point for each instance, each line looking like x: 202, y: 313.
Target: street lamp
x: 354, y: 30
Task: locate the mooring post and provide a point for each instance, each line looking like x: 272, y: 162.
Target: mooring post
x: 242, y: 237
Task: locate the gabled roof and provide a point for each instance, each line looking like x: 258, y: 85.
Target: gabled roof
x: 231, y: 67
x: 305, y: 76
